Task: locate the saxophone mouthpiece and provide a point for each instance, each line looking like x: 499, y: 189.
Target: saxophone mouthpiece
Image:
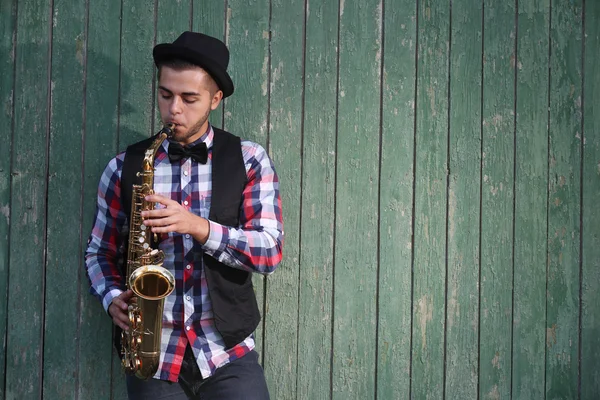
x: 168, y: 129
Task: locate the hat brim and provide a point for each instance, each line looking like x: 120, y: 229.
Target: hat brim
x: 168, y: 51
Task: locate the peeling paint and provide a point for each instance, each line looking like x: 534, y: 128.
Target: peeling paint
x: 425, y: 311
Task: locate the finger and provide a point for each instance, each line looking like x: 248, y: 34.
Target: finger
x: 126, y: 295
x: 158, y: 213
x: 157, y: 198
x: 165, y: 229
x: 165, y: 221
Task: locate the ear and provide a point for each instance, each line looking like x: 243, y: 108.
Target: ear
x: 216, y: 100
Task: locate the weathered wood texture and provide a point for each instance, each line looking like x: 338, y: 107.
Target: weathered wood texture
x: 8, y: 11
x: 497, y: 205
x: 589, y: 352
x: 531, y: 193
x: 439, y: 167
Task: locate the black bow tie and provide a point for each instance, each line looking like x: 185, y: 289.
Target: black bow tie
x: 199, y: 152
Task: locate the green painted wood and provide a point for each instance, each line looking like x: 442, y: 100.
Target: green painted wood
x: 64, y: 201
x: 285, y: 133
x: 497, y: 181
x: 396, y: 201
x: 429, y: 270
x: 356, y: 230
x: 246, y: 111
x: 8, y: 15
x: 209, y: 17
x: 28, y: 209
x: 137, y: 71
x: 172, y: 19
x: 100, y: 145
x: 564, y: 210
x: 590, y: 272
x: 531, y: 191
x: 318, y: 201
x: 462, y: 296
x: 136, y: 100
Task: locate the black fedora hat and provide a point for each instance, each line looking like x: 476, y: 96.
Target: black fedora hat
x: 202, y: 50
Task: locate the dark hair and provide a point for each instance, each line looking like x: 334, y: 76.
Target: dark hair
x: 179, y: 64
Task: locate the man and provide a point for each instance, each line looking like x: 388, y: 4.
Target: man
x: 218, y: 217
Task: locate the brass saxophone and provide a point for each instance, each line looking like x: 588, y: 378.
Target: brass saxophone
x: 146, y: 277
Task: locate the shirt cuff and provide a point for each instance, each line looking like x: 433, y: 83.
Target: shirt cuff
x: 109, y: 297
x: 217, y: 238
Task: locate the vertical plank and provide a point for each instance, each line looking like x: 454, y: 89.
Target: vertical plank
x: 497, y: 181
x: 531, y: 191
x: 356, y: 229
x: 137, y: 72
x: 172, y: 19
x: 28, y: 208
x: 590, y: 313
x: 285, y: 118
x: 462, y: 297
x: 8, y: 15
x: 318, y: 189
x: 64, y: 200
x: 562, y: 301
x: 396, y: 199
x: 100, y: 144
x: 429, y: 272
x: 246, y: 112
x: 209, y: 17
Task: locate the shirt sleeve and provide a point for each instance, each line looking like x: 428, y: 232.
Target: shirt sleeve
x: 256, y: 245
x: 103, y: 251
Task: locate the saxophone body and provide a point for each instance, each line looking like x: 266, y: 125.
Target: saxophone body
x: 150, y: 282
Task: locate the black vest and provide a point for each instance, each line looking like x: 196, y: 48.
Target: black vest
x: 235, y: 310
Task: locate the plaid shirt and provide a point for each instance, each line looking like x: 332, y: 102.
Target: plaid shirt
x: 255, y: 245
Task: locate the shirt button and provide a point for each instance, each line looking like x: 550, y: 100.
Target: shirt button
x: 187, y: 235
x: 185, y: 202
x: 188, y: 298
x: 187, y: 328
x: 185, y: 173
x: 188, y: 266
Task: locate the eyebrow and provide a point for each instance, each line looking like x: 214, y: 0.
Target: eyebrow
x: 183, y: 94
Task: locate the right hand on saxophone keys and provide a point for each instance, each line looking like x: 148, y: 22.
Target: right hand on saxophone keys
x: 118, y: 309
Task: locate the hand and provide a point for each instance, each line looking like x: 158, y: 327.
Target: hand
x: 118, y: 309
x: 175, y: 218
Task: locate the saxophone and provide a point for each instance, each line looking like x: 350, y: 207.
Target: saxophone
x: 146, y: 277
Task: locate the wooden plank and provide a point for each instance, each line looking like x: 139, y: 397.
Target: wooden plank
x: 100, y: 145
x: 497, y: 181
x: 356, y: 225
x: 209, y: 17
x: 564, y: 210
x: 462, y: 297
x: 28, y: 209
x: 590, y: 313
x: 8, y: 15
x: 318, y: 201
x: 63, y: 257
x: 136, y: 98
x: 285, y: 131
x: 137, y: 72
x: 396, y: 199
x: 429, y: 272
x: 172, y: 19
x: 531, y: 191
x: 246, y: 112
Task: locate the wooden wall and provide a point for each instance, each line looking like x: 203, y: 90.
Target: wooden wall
x: 440, y: 172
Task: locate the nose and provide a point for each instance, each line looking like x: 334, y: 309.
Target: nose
x: 175, y: 106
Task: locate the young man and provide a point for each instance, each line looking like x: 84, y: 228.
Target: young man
x: 218, y: 218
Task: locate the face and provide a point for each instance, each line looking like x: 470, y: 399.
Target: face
x: 184, y: 98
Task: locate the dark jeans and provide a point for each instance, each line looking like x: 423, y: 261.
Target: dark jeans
x: 242, y: 379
